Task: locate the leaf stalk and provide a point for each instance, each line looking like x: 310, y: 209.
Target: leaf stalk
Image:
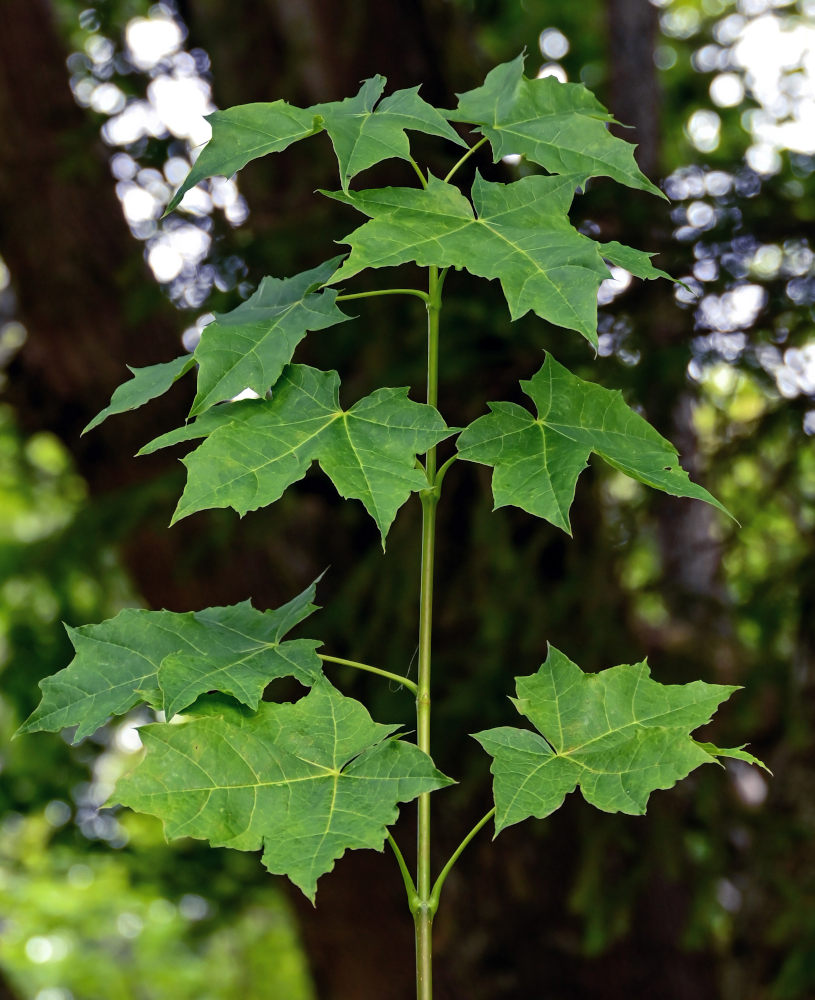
x: 385, y: 291
x: 437, y: 885
x: 404, y: 681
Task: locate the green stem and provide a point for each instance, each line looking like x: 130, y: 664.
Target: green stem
x: 466, y: 156
x: 371, y: 670
x: 436, y: 893
x: 386, y: 291
x: 419, y: 173
x: 423, y: 914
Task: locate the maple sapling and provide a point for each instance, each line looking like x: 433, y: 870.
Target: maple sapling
x: 308, y: 780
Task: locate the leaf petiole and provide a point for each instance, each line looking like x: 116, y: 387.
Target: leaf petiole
x: 443, y: 471
x: 419, y: 173
x: 466, y: 156
x: 404, y: 681
x: 385, y: 291
x: 436, y: 891
x: 413, y: 896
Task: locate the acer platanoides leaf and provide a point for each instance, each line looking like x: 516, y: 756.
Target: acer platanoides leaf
x: 305, y: 782
x: 249, y: 347
x: 521, y: 235
x: 168, y: 659
x: 561, y: 126
x: 362, y: 136
x: 618, y: 735
x: 256, y: 448
x: 537, y: 460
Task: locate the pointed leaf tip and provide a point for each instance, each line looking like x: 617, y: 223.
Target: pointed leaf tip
x: 242, y: 134
x: 146, y: 384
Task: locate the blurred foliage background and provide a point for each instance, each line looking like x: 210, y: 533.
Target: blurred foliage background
x: 711, y: 895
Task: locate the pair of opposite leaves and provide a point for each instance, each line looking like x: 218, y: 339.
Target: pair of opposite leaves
x: 307, y: 781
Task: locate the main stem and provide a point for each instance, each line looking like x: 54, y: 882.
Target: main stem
x: 425, y: 906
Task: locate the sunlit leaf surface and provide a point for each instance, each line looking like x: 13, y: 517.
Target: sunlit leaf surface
x: 304, y: 781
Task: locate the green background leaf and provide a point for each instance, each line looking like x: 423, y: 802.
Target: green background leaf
x: 304, y: 781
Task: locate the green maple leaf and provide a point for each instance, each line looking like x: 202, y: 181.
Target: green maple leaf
x: 561, y: 126
x: 304, y: 781
x: 522, y: 236
x: 537, y: 460
x: 362, y: 136
x: 167, y: 659
x: 146, y: 384
x: 618, y: 735
x: 361, y: 133
x: 260, y: 447
x: 249, y: 347
x: 244, y: 133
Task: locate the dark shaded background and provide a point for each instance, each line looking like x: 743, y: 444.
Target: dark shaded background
x: 711, y: 895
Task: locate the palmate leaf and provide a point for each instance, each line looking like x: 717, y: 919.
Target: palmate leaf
x: 304, y: 781
x: 146, y: 384
x: 618, y: 735
x: 522, y: 236
x: 256, y: 448
x: 561, y: 126
x: 249, y: 347
x: 168, y: 659
x: 537, y: 461
x: 362, y: 136
x: 362, y: 133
